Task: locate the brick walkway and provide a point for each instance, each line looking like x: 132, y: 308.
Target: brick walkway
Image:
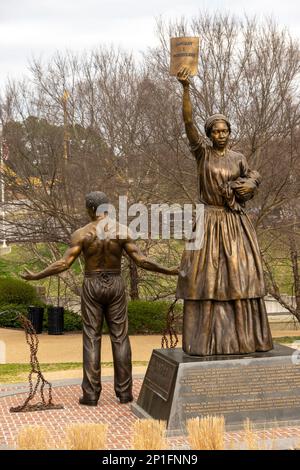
x: 118, y: 417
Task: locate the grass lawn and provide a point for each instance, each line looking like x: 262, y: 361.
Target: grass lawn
x: 150, y: 284
x: 21, y: 257
x: 12, y: 264
x: 286, y: 339
x: 275, y: 247
x: 14, y: 373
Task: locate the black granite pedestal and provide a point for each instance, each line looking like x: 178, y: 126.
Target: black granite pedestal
x: 264, y: 387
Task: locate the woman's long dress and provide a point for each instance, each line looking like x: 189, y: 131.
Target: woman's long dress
x: 222, y: 283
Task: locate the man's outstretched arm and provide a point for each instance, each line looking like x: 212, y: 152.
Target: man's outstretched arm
x: 61, y: 265
x: 146, y: 263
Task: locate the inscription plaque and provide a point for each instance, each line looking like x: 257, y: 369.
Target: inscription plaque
x: 159, y: 377
x: 264, y: 387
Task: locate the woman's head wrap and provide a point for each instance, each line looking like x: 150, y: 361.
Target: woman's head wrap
x: 212, y: 119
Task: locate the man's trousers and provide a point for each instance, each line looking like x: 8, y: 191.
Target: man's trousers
x: 103, y: 296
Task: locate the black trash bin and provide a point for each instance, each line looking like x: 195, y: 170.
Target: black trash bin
x: 36, y: 316
x: 55, y: 320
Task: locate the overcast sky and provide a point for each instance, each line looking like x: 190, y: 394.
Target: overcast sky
x: 37, y: 28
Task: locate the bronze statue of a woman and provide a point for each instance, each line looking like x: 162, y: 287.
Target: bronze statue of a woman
x: 222, y: 283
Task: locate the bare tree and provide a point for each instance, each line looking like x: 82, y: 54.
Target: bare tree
x: 126, y: 135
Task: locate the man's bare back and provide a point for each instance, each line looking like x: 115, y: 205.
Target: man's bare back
x: 101, y: 245
x: 100, y: 254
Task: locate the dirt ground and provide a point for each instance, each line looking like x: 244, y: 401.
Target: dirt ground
x: 68, y: 347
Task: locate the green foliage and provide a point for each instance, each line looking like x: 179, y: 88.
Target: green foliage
x: 16, y: 291
x: 16, y: 261
x: 276, y: 250
x: 12, y: 264
x: 10, y: 318
x: 144, y: 317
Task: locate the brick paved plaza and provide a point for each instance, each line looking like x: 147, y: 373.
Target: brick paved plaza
x: 118, y: 417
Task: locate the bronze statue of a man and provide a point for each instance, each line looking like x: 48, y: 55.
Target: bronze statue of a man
x: 222, y: 283
x: 103, y: 296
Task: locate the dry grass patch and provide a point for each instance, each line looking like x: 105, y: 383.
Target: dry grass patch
x: 86, y: 436
x: 33, y: 438
x: 149, y: 434
x: 207, y: 433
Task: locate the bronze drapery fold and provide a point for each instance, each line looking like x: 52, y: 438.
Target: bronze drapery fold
x: 222, y: 283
